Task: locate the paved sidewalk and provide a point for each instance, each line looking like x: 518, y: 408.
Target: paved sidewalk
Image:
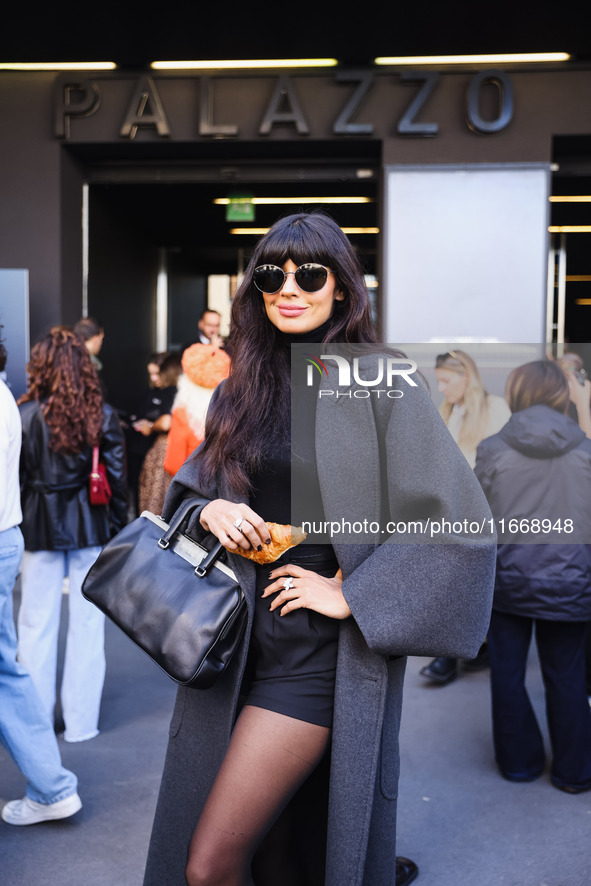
x: 461, y: 822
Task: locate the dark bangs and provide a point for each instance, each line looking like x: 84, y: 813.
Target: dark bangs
x: 305, y: 237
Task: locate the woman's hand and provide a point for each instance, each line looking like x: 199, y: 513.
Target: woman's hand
x: 580, y: 395
x: 307, y: 590
x: 143, y: 426
x: 235, y: 525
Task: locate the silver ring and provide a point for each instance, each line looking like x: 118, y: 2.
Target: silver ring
x: 288, y: 583
x: 238, y: 523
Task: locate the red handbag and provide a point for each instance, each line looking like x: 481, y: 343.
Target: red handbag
x: 99, y: 492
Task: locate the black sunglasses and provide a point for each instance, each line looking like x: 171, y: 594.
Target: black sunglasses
x: 309, y: 277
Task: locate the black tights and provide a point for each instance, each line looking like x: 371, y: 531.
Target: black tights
x: 268, y: 759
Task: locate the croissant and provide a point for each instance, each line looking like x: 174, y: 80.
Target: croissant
x: 282, y: 539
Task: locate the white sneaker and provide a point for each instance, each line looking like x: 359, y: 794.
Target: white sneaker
x: 27, y: 811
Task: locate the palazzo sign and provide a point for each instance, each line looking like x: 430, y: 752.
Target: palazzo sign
x: 145, y: 108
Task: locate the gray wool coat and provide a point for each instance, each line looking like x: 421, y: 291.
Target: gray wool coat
x: 378, y: 459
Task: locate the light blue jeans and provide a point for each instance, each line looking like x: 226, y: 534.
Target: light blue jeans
x: 25, y: 729
x: 42, y: 580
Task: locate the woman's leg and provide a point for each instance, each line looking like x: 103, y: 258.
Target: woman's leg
x: 561, y: 647
x: 42, y: 577
x: 519, y: 747
x: 84, y: 661
x: 268, y: 758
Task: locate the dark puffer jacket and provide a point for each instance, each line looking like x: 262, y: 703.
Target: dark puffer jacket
x: 57, y: 515
x: 539, y: 467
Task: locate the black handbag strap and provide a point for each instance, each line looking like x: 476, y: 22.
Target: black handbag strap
x: 180, y: 516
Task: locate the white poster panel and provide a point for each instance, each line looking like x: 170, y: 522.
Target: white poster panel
x: 14, y: 319
x: 466, y: 253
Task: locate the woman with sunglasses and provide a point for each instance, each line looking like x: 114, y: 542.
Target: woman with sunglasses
x: 245, y: 796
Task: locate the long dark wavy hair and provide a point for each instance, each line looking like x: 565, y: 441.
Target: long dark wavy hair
x: 64, y: 381
x: 252, y: 416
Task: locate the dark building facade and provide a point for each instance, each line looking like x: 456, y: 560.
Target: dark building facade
x: 108, y: 184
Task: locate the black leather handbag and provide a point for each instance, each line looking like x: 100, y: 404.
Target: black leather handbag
x: 171, y: 596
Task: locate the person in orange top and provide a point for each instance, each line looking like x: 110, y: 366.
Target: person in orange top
x: 204, y: 367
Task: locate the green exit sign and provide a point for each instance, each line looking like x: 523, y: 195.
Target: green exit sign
x: 240, y: 209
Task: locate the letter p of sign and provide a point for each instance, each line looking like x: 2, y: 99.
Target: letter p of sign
x: 79, y: 98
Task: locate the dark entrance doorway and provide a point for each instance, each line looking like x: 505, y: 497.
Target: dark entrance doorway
x: 159, y: 244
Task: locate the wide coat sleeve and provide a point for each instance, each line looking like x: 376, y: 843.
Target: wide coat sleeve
x: 420, y: 580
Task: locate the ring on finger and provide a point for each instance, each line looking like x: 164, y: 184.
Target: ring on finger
x: 288, y: 583
x: 238, y: 523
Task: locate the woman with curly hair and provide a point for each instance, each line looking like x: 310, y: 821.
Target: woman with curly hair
x: 63, y: 417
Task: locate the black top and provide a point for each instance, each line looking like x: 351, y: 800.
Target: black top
x: 286, y: 488
x: 158, y: 402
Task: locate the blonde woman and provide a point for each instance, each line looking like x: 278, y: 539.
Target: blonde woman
x: 469, y: 411
x: 471, y: 414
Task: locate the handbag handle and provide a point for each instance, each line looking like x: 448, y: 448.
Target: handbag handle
x: 179, y: 517
x: 95, y: 460
x: 206, y: 564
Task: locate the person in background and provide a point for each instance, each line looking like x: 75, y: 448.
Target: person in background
x: 26, y: 731
x: 153, y: 479
x: 209, y: 328
x: 471, y: 414
x: 138, y: 424
x: 469, y: 411
x: 539, y: 468
x: 63, y: 417
x: 93, y: 334
x: 204, y: 367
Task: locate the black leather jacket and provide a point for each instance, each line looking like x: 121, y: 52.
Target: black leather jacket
x: 57, y: 515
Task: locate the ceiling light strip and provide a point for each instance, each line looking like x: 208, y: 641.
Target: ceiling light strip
x: 243, y: 64
x: 57, y: 66
x: 488, y: 59
x: 277, y: 201
x: 570, y: 199
x: 570, y: 229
